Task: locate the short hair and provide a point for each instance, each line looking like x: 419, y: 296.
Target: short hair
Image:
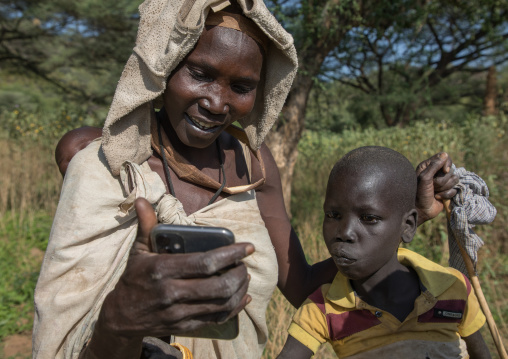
x: 370, y: 159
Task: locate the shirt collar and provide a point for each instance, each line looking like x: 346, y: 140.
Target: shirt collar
x: 434, y: 277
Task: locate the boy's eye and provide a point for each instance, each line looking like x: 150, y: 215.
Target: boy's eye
x: 332, y: 214
x: 368, y: 218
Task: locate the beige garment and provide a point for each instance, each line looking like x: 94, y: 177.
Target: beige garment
x: 92, y: 233
x: 168, y: 31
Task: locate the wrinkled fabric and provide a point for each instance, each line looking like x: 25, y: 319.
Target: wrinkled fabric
x: 469, y: 207
x: 84, y: 260
x: 168, y: 31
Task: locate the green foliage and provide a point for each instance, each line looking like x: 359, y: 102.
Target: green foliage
x: 318, y: 151
x: 401, y: 49
x: 333, y: 106
x: 22, y: 242
x: 80, y: 47
x: 42, y: 127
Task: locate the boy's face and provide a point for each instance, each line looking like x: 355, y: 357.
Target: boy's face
x: 364, y: 223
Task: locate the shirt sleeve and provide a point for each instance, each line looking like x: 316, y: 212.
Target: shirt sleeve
x: 309, y: 325
x: 474, y: 318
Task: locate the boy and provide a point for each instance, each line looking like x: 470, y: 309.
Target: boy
x: 385, y: 302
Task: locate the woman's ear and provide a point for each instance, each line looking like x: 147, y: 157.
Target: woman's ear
x: 409, y: 225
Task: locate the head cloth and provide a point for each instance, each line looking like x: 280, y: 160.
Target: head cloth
x: 168, y: 31
x: 240, y: 23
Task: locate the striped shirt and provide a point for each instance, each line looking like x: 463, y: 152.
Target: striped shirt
x: 446, y: 310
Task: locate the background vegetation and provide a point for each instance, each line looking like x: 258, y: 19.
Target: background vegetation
x: 406, y: 74
x: 30, y: 184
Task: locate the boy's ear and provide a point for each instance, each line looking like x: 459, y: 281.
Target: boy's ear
x: 409, y: 225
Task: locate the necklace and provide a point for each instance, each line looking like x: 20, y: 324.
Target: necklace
x: 166, y: 167
x: 188, y: 172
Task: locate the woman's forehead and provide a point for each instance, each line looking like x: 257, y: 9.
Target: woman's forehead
x: 216, y: 37
x: 219, y: 44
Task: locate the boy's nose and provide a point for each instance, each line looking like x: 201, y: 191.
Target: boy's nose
x: 345, y: 232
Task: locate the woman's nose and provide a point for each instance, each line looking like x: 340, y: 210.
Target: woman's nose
x: 215, y: 101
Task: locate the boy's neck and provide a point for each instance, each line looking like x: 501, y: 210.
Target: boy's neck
x: 393, y: 290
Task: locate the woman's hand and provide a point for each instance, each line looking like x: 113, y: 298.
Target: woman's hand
x: 435, y: 183
x: 169, y: 294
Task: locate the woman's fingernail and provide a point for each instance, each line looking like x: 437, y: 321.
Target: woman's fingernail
x: 249, y: 250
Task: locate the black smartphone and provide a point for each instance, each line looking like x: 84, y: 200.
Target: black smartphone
x: 171, y: 238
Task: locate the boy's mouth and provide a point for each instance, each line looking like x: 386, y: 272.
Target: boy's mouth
x: 342, y: 258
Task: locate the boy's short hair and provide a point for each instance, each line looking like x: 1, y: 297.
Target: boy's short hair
x: 387, y: 162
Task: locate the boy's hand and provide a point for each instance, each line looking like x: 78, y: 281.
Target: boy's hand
x: 435, y: 183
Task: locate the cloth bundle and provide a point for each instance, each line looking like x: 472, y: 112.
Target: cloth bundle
x: 469, y: 207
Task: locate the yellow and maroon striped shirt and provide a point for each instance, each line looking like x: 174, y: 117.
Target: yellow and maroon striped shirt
x: 446, y: 310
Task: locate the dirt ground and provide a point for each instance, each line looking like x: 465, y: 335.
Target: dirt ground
x: 18, y: 346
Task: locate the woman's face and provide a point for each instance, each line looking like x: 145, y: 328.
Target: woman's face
x: 214, y: 86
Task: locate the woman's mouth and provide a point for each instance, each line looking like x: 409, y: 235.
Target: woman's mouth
x: 204, y: 126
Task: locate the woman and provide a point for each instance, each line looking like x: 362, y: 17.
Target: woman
x: 101, y: 290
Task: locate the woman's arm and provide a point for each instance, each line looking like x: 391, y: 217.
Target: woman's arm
x: 476, y: 347
x: 293, y: 349
x: 297, y: 279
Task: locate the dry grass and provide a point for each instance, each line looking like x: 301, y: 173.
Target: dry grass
x: 29, y: 179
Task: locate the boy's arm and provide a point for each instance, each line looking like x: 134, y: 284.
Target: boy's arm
x: 476, y: 346
x: 293, y: 349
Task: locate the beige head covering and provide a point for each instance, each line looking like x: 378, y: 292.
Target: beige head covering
x: 168, y: 31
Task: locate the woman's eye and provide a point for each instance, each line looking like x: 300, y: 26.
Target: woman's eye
x: 369, y: 219
x: 332, y: 214
x: 242, y: 89
x: 199, y: 76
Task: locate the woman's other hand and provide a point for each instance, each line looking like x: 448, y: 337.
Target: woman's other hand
x: 169, y: 294
x: 435, y: 183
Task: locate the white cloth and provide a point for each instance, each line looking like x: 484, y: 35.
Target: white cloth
x: 469, y: 207
x: 92, y: 233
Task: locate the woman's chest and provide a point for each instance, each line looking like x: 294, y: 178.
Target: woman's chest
x: 194, y: 196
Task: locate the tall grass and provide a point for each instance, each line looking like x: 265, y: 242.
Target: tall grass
x: 30, y: 185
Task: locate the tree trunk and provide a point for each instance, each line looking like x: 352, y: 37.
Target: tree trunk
x: 490, y: 100
x: 283, y: 139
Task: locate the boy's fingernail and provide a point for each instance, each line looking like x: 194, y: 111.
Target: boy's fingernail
x: 249, y: 299
x: 443, y: 155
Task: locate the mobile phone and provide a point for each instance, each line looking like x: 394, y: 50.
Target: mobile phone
x: 171, y: 238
